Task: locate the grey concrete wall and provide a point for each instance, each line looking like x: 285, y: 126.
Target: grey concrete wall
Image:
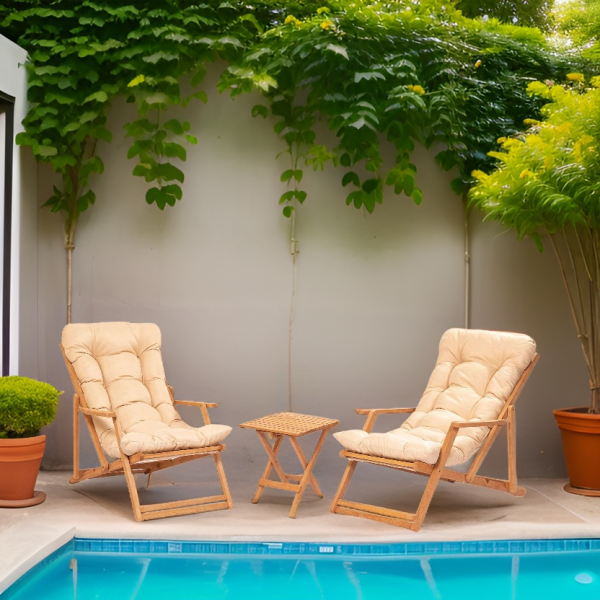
x: 374, y: 292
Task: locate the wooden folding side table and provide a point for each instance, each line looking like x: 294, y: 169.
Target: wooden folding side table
x: 290, y: 425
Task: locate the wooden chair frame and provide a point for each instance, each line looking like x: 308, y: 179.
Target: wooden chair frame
x: 145, y: 463
x: 437, y: 471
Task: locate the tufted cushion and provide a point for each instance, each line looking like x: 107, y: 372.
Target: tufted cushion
x: 119, y: 367
x: 475, y: 374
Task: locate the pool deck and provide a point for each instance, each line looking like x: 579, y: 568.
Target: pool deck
x: 101, y: 508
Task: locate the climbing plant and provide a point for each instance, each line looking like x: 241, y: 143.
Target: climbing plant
x: 376, y: 72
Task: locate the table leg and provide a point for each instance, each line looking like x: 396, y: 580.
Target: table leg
x: 273, y: 463
x: 307, y: 473
x: 312, y: 479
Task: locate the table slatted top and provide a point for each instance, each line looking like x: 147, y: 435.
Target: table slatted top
x: 289, y: 423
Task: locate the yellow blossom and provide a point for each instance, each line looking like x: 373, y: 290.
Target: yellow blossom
x: 418, y: 89
x: 576, y: 77
x: 290, y: 19
x: 526, y: 173
x: 595, y: 81
x: 326, y: 24
x: 530, y: 121
x: 501, y: 140
x: 478, y: 64
x: 512, y: 143
x: 479, y: 175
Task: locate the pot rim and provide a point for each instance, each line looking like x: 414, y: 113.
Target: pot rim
x: 27, y: 441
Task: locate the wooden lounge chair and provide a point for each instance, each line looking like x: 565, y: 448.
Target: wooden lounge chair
x: 469, y: 398
x: 120, y: 388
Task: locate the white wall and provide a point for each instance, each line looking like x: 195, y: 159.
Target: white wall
x: 23, y: 332
x: 374, y: 292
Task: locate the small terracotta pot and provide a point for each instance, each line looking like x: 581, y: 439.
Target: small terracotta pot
x: 20, y: 461
x: 580, y: 432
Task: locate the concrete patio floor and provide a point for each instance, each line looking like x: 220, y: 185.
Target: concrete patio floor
x: 101, y: 508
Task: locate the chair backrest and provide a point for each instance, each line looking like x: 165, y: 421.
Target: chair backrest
x: 475, y: 374
x: 119, y: 367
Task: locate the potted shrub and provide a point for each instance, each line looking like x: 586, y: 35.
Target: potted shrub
x: 547, y: 187
x: 26, y: 405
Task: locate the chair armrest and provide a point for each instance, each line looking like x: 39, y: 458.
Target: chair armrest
x: 459, y: 425
x: 94, y: 412
x: 384, y: 411
x: 373, y: 413
x: 203, y: 406
x: 196, y: 403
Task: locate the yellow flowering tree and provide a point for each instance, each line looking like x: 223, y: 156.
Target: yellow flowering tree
x: 547, y: 187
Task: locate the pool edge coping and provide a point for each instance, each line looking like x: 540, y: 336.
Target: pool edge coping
x: 35, y: 557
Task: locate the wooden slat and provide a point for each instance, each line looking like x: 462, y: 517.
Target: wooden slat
x: 267, y: 471
x: 188, y: 510
x: 352, y: 512
x: 378, y: 460
x: 311, y: 478
x: 290, y: 487
x: 384, y: 411
x: 378, y: 510
x: 180, y: 503
x: 207, y: 450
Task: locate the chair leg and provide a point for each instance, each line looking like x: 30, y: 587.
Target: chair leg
x: 344, y: 483
x: 75, y: 437
x: 133, y: 493
x: 223, y: 480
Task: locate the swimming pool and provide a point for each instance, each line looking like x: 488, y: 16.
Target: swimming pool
x: 86, y: 569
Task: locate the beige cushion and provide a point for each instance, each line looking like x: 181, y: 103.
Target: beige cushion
x: 475, y: 374
x: 119, y: 367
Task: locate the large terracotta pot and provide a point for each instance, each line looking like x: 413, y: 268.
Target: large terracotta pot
x: 580, y: 432
x: 20, y: 460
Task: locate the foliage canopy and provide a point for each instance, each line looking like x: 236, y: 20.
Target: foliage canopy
x: 548, y: 183
x: 403, y: 71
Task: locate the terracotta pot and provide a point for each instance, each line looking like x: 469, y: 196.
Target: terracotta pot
x: 580, y: 432
x: 20, y: 460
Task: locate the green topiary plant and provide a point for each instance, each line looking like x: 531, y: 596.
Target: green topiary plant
x: 26, y: 405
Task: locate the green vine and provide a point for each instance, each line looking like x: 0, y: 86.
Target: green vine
x: 376, y: 72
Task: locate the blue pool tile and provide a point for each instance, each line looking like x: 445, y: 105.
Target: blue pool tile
x: 328, y: 549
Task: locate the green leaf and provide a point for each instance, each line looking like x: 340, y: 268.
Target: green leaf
x: 173, y: 150
x: 170, y: 172
x: 287, y: 211
x: 100, y: 96
x: 174, y: 126
x: 286, y: 197
x: 227, y: 39
x: 351, y: 177
x: 259, y: 109
x: 338, y: 50
x: 287, y: 175
x: 46, y: 151
x: 369, y: 185
x: 417, y: 196
x: 297, y: 175
x: 300, y: 195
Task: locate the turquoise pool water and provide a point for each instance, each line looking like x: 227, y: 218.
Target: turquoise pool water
x: 148, y: 570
